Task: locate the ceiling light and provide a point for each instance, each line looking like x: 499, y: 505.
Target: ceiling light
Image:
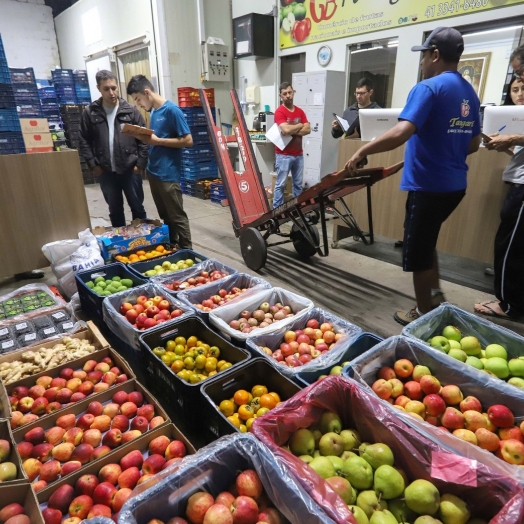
x: 501, y: 29
x: 369, y: 49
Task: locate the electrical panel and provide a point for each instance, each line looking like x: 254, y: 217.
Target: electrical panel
x: 217, y: 63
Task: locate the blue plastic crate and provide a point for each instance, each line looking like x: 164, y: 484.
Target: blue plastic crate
x: 5, y: 78
x: 50, y: 103
x: 62, y: 75
x: 25, y: 90
x: 80, y: 76
x: 47, y: 92
x: 11, y: 143
x: 65, y: 90
x: 208, y: 169
x: 22, y: 76
x: 9, y: 120
x: 203, y: 159
x: 84, y: 100
x: 198, y: 150
x: 29, y: 110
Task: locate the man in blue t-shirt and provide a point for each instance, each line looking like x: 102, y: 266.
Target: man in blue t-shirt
x: 164, y: 168
x: 440, y: 124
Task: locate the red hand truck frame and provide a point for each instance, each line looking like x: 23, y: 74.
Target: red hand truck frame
x: 254, y: 221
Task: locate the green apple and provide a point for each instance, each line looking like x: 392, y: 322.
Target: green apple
x: 452, y: 333
x: 482, y: 353
x: 306, y: 458
x: 336, y: 370
x: 498, y: 366
x: 378, y: 454
x: 382, y: 517
x: 458, y: 354
x: 400, y: 511
x: 517, y: 382
x: 426, y: 519
x: 351, y: 439
x: 453, y: 344
x: 453, y: 510
x: 368, y: 501
x: 496, y: 350
x: 338, y: 463
x: 471, y: 346
x: 475, y: 362
x: 516, y: 367
x: 441, y: 343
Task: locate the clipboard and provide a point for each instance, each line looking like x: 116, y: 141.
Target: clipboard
x: 137, y: 131
x: 342, y: 122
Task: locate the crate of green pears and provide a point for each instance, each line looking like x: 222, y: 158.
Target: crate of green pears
x: 106, y: 287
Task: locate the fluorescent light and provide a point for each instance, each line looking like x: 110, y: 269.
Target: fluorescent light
x: 369, y: 49
x: 393, y: 44
x: 500, y: 30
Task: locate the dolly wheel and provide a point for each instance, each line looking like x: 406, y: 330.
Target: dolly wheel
x: 253, y: 248
x: 302, y: 246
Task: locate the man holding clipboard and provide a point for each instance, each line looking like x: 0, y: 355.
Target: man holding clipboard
x: 293, y: 122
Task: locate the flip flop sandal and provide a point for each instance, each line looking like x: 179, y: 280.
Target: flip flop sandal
x: 491, y: 312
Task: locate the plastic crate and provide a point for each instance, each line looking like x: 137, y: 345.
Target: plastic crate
x: 198, y: 160
x: 65, y: 90
x: 90, y: 302
x: 139, y: 268
x: 166, y: 383
x: 29, y: 110
x: 47, y: 92
x: 22, y: 76
x: 50, y: 103
x: 7, y: 101
x: 170, y: 247
x: 202, y: 195
x: 62, y: 75
x: 360, y: 345
x: 9, y: 120
x: 254, y: 372
x: 25, y: 91
x: 11, y: 142
x: 80, y: 76
x: 71, y: 109
x: 195, y: 151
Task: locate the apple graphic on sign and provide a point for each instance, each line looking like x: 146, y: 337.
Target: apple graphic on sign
x: 38, y: 138
x: 33, y: 123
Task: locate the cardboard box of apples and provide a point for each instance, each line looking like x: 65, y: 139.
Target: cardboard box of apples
x: 18, y: 505
x: 346, y: 447
x: 53, y: 447
x: 469, y: 413
x: 147, y: 306
x: 235, y: 479
x: 11, y: 471
x: 101, y: 488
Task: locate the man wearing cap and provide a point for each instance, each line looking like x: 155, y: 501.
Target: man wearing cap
x: 440, y: 124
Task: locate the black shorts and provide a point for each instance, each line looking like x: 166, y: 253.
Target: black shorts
x: 425, y: 213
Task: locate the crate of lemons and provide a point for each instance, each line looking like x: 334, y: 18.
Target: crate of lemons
x: 142, y: 255
x: 169, y: 267
x: 244, y: 407
x: 191, y: 359
x: 106, y: 287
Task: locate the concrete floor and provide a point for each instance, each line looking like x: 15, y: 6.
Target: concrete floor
x: 361, y: 289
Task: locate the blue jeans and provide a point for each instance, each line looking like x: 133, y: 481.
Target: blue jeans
x: 112, y: 186
x: 285, y: 164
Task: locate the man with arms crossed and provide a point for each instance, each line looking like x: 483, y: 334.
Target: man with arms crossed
x: 440, y: 125
x: 164, y: 169
x: 292, y: 121
x: 117, y: 160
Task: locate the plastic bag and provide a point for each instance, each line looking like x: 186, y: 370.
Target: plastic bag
x: 118, y: 323
x: 67, y: 257
x: 241, y: 280
x: 487, y: 332
x: 208, y: 265
x: 98, y: 520
x: 487, y: 492
x: 331, y: 358
x: 487, y: 389
x: 222, y: 316
x: 213, y: 469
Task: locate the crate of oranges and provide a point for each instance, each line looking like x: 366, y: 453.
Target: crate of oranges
x: 250, y: 391
x: 142, y: 253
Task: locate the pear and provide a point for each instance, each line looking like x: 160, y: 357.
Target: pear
x: 382, y: 517
x: 362, y: 447
x: 453, y: 510
x: 400, y: 511
x: 368, y: 501
x: 330, y: 422
x: 359, y: 515
x: 316, y: 454
x: 378, y: 454
x: 323, y: 467
x: 331, y: 444
x: 388, y: 482
x: 338, y: 463
x: 302, y: 442
x: 348, y: 454
x: 358, y: 472
x: 306, y: 458
x: 422, y: 497
x: 426, y: 519
x: 343, y: 488
x: 351, y: 439
x: 317, y: 434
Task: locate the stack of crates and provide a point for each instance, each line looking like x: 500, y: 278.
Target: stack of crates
x: 64, y: 84
x: 217, y: 193
x: 26, y: 93
x: 199, y: 161
x: 11, y: 139
x: 203, y: 189
x: 71, y: 115
x: 49, y: 104
x: 83, y: 95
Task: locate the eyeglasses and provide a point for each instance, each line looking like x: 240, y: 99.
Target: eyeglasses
x: 360, y: 93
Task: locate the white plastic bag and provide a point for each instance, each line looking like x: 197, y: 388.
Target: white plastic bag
x: 68, y: 257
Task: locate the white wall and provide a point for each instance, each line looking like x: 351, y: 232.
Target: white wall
x: 28, y: 34
x: 120, y: 21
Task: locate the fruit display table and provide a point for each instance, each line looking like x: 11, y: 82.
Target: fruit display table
x: 42, y: 199
x: 470, y: 230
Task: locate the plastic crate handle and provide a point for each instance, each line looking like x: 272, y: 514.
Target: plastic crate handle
x: 168, y: 334
x: 231, y: 382
x: 100, y: 274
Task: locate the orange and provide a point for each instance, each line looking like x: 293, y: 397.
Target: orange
x: 255, y: 403
x: 268, y: 401
x: 258, y: 391
x: 241, y: 397
x: 275, y: 396
x: 142, y: 257
x: 160, y: 249
x: 140, y: 253
x: 177, y: 366
x: 245, y: 412
x: 200, y: 361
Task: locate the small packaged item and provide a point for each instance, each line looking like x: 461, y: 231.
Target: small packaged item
x: 5, y: 333
x: 48, y: 331
x: 59, y: 316
x: 65, y: 327
x: 8, y: 345
x: 28, y: 339
x: 42, y: 322
x: 23, y: 327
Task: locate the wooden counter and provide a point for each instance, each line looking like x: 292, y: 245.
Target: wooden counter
x: 42, y: 199
x: 470, y: 230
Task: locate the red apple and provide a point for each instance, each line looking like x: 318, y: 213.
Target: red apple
x: 129, y: 478
x: 140, y: 423
x: 501, y: 416
x: 81, y: 506
x: 52, y: 516
x: 100, y: 452
x: 248, y: 483
x: 147, y: 411
x: 119, y: 397
x: 50, y: 471
x: 70, y: 466
x: 113, y: 438
x: 110, y: 473
x: 136, y: 398
x: 104, y: 494
x: 244, y: 510
x: 86, y: 484
x: 197, y: 506
x: 153, y: 464
x: 176, y: 449
x: 66, y: 421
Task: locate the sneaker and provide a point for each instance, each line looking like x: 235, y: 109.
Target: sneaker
x: 27, y: 275
x: 437, y: 299
x: 404, y: 318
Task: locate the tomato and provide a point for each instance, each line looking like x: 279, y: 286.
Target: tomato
x: 245, y: 412
x: 267, y: 401
x: 242, y: 397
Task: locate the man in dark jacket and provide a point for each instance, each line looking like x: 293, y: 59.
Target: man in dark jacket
x: 118, y: 160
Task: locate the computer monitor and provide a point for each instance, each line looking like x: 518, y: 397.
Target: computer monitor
x: 507, y: 120
x: 375, y: 122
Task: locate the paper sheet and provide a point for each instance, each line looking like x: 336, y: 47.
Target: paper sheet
x: 243, y: 47
x: 342, y: 121
x: 274, y: 135
x: 318, y: 99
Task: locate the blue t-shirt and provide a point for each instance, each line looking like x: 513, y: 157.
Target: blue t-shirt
x: 167, y: 122
x: 445, y: 110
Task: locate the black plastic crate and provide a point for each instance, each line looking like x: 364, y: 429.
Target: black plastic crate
x: 171, y: 247
x: 25, y: 91
x: 71, y: 109
x: 139, y: 268
x: 11, y: 140
x: 9, y: 120
x: 29, y: 110
x: 22, y: 76
x: 166, y: 384
x: 251, y: 373
x: 91, y: 302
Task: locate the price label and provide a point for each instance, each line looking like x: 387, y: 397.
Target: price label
x: 31, y: 336
x: 67, y: 325
x: 8, y: 344
x: 21, y: 326
x: 49, y: 331
x: 58, y: 315
x: 3, y: 332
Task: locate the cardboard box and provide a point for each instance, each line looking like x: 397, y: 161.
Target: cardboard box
x: 24, y: 495
x: 92, y: 333
x: 38, y: 142
x: 5, y: 434
x: 76, y: 365
x: 34, y: 125
x: 110, y: 246
x: 288, y: 190
x: 5, y: 409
